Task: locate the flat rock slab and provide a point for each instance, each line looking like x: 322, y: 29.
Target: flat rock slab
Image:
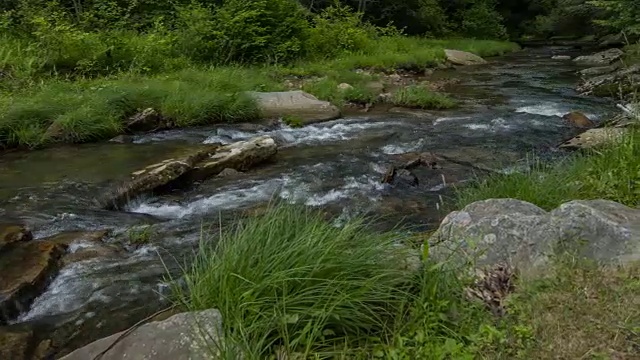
x: 185, y: 336
x: 458, y: 57
x: 299, y: 104
x: 602, y: 58
x: 593, y: 138
x: 526, y: 236
x: 26, y: 271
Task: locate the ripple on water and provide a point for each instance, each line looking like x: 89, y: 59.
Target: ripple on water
x: 287, y: 187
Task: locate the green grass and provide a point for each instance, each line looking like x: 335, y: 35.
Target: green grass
x: 611, y: 172
x: 89, y: 110
x: 288, y: 281
x: 415, y: 96
x: 89, y: 98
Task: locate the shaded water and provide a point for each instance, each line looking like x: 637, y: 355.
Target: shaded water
x: 511, y: 108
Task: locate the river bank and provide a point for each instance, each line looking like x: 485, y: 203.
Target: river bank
x: 78, y: 110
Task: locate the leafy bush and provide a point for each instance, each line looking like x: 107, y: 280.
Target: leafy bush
x: 482, y: 21
x: 267, y: 31
x: 336, y: 30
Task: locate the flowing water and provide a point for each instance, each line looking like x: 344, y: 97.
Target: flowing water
x: 511, y: 108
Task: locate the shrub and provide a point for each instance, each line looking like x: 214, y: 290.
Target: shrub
x: 252, y: 31
x: 482, y: 21
x: 337, y: 29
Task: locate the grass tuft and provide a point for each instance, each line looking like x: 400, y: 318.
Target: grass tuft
x: 611, y: 172
x: 289, y: 279
x: 415, y: 96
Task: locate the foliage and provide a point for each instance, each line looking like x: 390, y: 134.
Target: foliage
x: 255, y: 31
x: 612, y: 173
x: 624, y: 15
x: 336, y: 30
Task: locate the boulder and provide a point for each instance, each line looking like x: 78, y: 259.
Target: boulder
x: 344, y: 86
x: 593, y: 138
x: 26, y: 269
x: 195, y: 165
x: 295, y: 103
x: 602, y: 58
x: 525, y: 236
x: 146, y: 120
x: 376, y: 87
x: 578, y: 119
x: 229, y: 173
x: 600, y: 70
x: 625, y: 79
x: 13, y: 233
x: 185, y: 336
x: 83, y: 245
x: 612, y: 40
x: 458, y: 57
x: 240, y: 156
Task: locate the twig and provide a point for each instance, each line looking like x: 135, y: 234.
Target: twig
x: 132, y: 329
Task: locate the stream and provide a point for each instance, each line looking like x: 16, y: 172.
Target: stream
x: 510, y: 109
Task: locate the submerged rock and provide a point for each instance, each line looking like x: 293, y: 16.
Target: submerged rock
x: 458, y: 57
x: 299, y: 104
x: 26, y: 269
x: 185, y: 336
x: 198, y: 164
x: 561, y: 57
x: 602, y: 58
x: 594, y: 138
x: 578, y: 119
x: 83, y: 245
x: 13, y: 233
x: 521, y: 234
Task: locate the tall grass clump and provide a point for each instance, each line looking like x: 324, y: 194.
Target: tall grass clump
x: 289, y: 280
x: 611, y: 172
x: 419, y: 97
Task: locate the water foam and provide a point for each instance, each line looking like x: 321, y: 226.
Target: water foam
x: 395, y: 149
x: 544, y: 109
x: 328, y: 132
x: 495, y: 125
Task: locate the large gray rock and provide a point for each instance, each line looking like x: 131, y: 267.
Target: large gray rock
x: 600, y: 70
x: 185, y: 336
x: 298, y: 104
x: 458, y: 57
x: 524, y: 235
x: 602, y: 58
